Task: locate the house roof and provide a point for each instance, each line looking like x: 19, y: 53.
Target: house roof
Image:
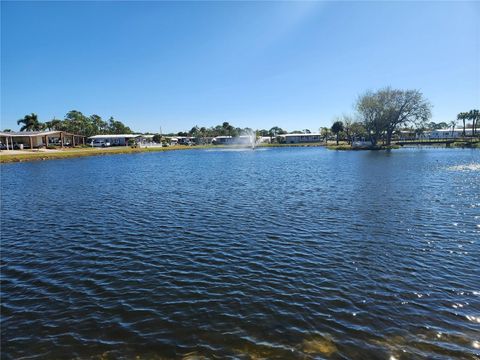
x: 233, y: 137
x: 33, y: 133
x: 147, y: 136
x: 450, y: 130
x: 301, y: 134
x: 114, y: 136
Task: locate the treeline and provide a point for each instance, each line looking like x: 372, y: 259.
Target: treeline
x: 226, y: 129
x: 77, y: 123
x: 473, y: 116
x: 378, y: 117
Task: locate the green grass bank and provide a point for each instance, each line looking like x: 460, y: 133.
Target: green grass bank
x: 80, y: 152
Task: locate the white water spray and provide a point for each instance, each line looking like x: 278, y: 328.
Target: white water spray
x: 252, y: 138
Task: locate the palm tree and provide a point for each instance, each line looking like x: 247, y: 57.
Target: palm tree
x: 463, y: 116
x: 419, y: 132
x: 54, y: 124
x: 30, y: 123
x: 473, y: 115
x: 453, y: 123
x: 324, y: 132
x: 337, y: 127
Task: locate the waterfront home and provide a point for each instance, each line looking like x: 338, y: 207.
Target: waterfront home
x: 447, y: 133
x: 185, y: 140
x: 112, y: 139
x: 434, y: 134
x: 406, y: 134
x: 232, y: 140
x: 300, y: 138
x: 38, y: 139
x: 222, y: 140
x: 145, y: 140
x: 182, y: 140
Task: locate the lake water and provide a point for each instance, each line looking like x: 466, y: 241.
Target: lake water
x: 289, y: 253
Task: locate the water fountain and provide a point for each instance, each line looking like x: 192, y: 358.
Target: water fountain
x: 246, y: 140
x: 252, y: 137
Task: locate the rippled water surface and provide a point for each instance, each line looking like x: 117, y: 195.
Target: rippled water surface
x: 299, y: 253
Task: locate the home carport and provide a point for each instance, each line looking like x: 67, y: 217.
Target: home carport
x: 39, y: 138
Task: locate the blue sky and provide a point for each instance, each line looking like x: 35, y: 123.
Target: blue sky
x: 257, y: 64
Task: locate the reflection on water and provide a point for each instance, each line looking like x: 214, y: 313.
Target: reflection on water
x: 298, y: 253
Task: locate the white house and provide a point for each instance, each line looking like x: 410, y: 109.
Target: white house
x: 145, y: 140
x: 301, y: 138
x: 182, y: 140
x: 37, y: 139
x: 112, y: 139
x: 445, y: 134
x: 229, y: 140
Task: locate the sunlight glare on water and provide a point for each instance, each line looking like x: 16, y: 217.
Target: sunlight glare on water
x: 466, y: 167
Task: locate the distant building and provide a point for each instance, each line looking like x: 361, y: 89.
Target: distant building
x: 145, y: 140
x: 38, y: 139
x: 300, y: 138
x: 121, y: 140
x: 447, y: 133
x: 111, y: 139
x: 182, y: 140
x: 435, y: 134
x: 230, y: 140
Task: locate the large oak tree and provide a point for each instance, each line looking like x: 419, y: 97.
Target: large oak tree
x: 387, y: 110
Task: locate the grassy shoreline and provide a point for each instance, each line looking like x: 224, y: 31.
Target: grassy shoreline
x: 472, y: 144
x: 350, y: 148
x: 81, y: 152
